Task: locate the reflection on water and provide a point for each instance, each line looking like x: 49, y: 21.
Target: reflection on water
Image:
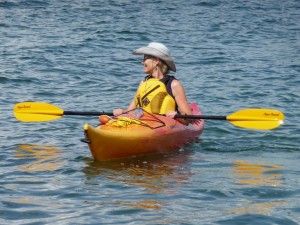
x: 38, y: 158
x: 155, y: 174
x: 257, y: 208
x: 143, y: 204
x: 251, y: 175
x: 257, y: 175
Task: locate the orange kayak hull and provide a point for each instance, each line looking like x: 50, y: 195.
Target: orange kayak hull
x: 163, y: 136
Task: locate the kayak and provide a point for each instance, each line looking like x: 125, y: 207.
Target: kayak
x: 126, y: 136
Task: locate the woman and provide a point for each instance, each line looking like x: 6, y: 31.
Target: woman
x: 157, y: 63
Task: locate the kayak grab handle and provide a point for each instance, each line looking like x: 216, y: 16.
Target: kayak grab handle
x: 84, y: 140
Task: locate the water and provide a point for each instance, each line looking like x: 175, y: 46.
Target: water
x: 230, y: 55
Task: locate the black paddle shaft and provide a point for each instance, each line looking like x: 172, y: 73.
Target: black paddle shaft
x: 201, y: 117
x: 177, y: 116
x: 87, y: 113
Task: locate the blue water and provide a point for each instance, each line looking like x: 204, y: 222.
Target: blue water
x: 230, y: 55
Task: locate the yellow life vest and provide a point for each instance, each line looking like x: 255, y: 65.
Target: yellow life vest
x: 153, y: 97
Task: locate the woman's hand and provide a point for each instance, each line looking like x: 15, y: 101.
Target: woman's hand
x: 171, y: 114
x: 117, y: 112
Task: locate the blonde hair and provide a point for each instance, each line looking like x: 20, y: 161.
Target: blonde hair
x: 164, y: 67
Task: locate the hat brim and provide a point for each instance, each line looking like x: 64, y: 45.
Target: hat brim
x: 154, y: 52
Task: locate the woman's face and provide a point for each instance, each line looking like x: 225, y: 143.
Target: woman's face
x: 149, y: 62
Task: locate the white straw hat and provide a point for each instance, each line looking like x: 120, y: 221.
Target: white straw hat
x: 158, y: 50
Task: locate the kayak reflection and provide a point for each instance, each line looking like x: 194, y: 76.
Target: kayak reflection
x: 38, y: 158
x: 154, y: 173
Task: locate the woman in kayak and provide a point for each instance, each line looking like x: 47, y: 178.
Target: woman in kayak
x: 157, y: 64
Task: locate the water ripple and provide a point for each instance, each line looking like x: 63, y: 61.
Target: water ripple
x: 230, y: 55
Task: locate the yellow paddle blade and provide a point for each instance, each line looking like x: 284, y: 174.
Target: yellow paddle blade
x: 261, y: 119
x: 36, y: 112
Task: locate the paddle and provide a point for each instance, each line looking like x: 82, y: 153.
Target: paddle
x: 262, y: 119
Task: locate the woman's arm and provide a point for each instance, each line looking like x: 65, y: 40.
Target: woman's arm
x: 181, y: 101
x: 131, y: 106
x: 180, y: 98
x: 117, y: 112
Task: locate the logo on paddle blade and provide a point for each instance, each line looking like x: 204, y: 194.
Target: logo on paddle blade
x: 20, y: 107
